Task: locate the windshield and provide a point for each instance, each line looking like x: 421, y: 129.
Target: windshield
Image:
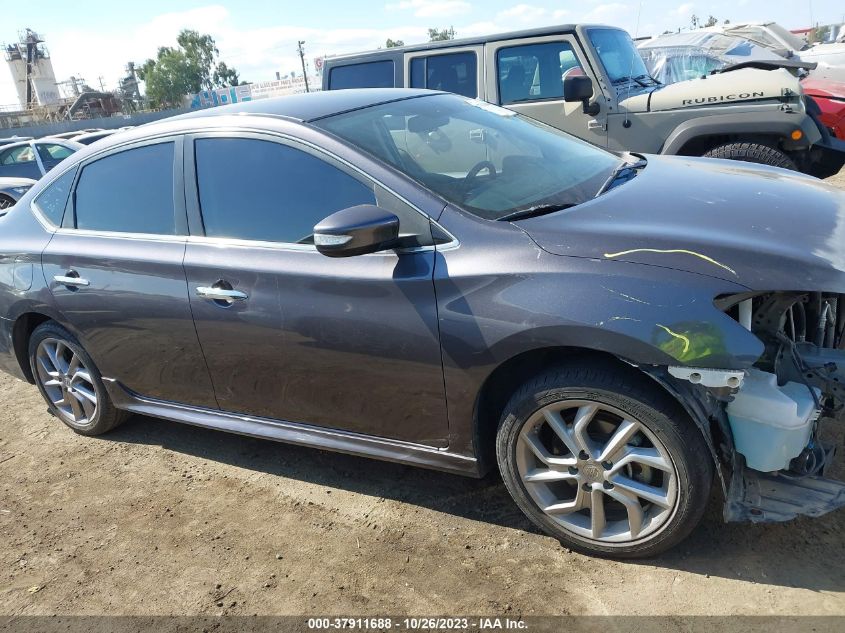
x: 483, y: 158
x: 618, y: 55
x: 795, y: 42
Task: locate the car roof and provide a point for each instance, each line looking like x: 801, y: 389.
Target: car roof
x: 561, y: 29
x: 310, y: 106
x: 93, y: 134
x: 59, y: 141
x: 45, y: 139
x: 298, y: 109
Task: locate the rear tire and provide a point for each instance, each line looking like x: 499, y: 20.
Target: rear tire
x: 70, y: 382
x: 639, y: 488
x: 753, y: 153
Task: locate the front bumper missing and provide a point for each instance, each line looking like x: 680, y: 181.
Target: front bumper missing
x: 774, y: 497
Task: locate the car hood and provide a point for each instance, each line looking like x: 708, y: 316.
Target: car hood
x: 747, y: 84
x: 761, y: 227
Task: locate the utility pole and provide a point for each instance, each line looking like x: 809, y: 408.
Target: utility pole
x: 302, y: 59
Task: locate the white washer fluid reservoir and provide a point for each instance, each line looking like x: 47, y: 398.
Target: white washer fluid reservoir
x: 771, y: 424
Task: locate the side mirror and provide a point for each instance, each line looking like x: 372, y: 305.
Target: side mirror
x: 580, y: 88
x: 357, y: 230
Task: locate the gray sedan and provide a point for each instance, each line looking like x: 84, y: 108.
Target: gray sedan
x: 11, y: 189
x: 438, y: 281
x: 34, y: 158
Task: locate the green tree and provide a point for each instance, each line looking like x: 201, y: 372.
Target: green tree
x: 394, y: 43
x: 711, y: 21
x: 191, y: 66
x: 441, y: 35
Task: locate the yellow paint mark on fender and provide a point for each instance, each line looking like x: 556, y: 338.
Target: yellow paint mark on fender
x: 672, y: 251
x: 680, y: 337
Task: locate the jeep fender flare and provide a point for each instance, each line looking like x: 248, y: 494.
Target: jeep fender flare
x: 778, y: 124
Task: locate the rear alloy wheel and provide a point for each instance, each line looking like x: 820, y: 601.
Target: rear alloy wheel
x: 6, y: 202
x: 69, y: 381
x: 609, y: 467
x: 753, y: 153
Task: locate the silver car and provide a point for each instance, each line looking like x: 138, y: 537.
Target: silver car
x: 11, y: 189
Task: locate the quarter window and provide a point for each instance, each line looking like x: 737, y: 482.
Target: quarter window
x: 453, y: 72
x: 52, y: 201
x: 366, y: 75
x: 534, y: 72
x: 130, y: 192
x: 261, y: 190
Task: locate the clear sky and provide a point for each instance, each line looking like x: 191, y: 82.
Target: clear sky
x: 95, y: 38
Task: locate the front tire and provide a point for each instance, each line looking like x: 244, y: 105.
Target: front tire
x: 70, y: 382
x: 753, y: 153
x: 604, y: 461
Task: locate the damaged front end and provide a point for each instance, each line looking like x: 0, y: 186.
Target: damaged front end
x: 773, y: 420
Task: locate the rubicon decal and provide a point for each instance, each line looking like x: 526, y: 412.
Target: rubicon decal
x: 733, y: 97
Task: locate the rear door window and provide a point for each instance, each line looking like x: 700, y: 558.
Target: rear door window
x: 452, y: 72
x: 128, y: 192
x: 535, y: 72
x: 367, y: 75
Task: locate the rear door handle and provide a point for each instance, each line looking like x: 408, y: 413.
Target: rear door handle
x: 221, y: 294
x: 67, y: 280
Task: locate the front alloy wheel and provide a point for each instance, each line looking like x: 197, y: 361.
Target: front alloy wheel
x: 601, y: 458
x: 596, y: 471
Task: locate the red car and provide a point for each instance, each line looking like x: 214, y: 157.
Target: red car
x: 830, y: 97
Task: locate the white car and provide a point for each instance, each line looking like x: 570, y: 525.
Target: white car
x: 11, y: 189
x: 830, y: 57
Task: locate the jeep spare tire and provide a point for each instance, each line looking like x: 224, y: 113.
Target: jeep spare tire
x: 752, y: 153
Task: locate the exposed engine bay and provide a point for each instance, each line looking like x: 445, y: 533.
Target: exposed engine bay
x: 775, y: 419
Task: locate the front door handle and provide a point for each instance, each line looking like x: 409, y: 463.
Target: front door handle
x: 72, y: 281
x: 221, y: 294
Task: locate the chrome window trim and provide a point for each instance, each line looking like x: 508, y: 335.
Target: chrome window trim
x: 231, y: 242
x: 36, y: 210
x: 156, y: 237
x: 210, y: 133
x: 45, y: 224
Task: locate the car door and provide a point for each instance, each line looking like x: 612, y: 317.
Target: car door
x: 114, y: 269
x: 290, y: 334
x: 20, y: 161
x: 51, y: 154
x: 526, y: 75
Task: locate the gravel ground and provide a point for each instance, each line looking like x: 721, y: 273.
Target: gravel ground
x: 158, y: 518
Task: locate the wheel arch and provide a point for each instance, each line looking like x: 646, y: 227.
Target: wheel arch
x: 506, y: 378
x: 22, y: 330
x: 753, y: 126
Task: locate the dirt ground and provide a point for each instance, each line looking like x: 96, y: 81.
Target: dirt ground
x: 159, y: 518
